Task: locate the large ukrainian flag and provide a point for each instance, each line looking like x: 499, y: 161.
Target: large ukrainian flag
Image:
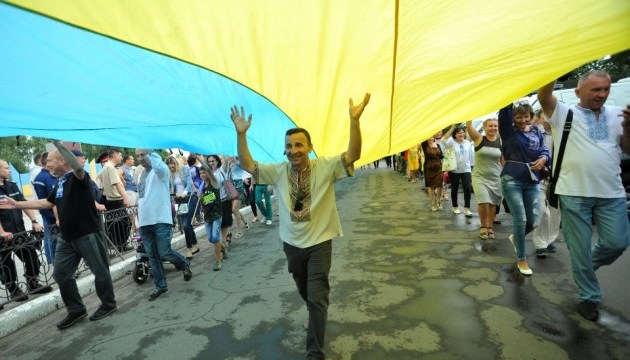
x: 164, y: 73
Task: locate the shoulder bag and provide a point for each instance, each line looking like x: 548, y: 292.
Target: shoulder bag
x: 552, y: 197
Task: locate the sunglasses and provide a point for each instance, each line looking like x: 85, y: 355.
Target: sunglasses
x: 299, y: 205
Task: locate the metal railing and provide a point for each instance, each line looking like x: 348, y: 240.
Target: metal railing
x: 23, y: 262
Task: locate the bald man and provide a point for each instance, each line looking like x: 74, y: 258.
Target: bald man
x: 82, y: 236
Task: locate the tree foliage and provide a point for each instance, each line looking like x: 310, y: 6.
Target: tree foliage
x: 20, y: 150
x: 617, y: 65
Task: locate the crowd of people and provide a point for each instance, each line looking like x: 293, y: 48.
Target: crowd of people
x: 504, y: 164
x: 511, y: 162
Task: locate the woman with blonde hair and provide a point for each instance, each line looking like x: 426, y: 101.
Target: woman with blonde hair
x: 486, y: 174
x: 183, y: 189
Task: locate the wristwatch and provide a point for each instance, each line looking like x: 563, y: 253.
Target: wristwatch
x: 34, y: 221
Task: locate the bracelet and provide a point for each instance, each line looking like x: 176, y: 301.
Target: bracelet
x: 34, y: 221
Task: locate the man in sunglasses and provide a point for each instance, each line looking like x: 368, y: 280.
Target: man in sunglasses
x: 308, y: 213
x: 589, y: 186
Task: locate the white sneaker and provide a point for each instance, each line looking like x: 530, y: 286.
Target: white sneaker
x: 440, y: 206
x: 268, y: 222
x: 456, y: 211
x: 467, y: 212
x: 433, y: 208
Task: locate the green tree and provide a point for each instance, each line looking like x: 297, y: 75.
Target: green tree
x: 617, y: 65
x: 20, y: 150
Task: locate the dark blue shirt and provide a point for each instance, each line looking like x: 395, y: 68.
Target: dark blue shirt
x: 520, y: 148
x: 43, y: 184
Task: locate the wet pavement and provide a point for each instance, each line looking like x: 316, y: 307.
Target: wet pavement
x: 406, y: 283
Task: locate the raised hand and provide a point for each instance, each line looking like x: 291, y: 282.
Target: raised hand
x: 356, y: 111
x: 238, y: 118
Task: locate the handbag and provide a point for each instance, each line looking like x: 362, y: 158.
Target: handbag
x: 230, y: 189
x: 552, y: 197
x: 182, y: 205
x: 449, y: 162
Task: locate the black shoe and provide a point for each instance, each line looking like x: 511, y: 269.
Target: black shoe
x: 18, y: 295
x: 187, y: 273
x: 541, y: 253
x: 588, y: 310
x: 551, y: 248
x: 70, y: 320
x: 102, y: 312
x: 156, y: 294
x: 35, y: 288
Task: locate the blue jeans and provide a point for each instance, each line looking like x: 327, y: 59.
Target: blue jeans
x: 50, y: 242
x: 614, y: 237
x: 213, y: 230
x: 310, y: 267
x: 157, y: 243
x: 91, y: 248
x: 189, y: 232
x: 265, y: 208
x: 523, y: 199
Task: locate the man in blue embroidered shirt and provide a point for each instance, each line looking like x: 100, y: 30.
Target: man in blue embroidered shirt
x: 307, y: 209
x: 589, y: 185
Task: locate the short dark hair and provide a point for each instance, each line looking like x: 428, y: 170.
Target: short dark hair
x: 218, y: 160
x: 191, y: 160
x: 522, y: 109
x: 113, y: 151
x: 299, y: 130
x: 127, y: 157
x: 37, y: 158
x: 44, y: 158
x: 457, y: 130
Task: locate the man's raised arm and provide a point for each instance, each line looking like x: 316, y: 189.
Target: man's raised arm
x: 354, y: 145
x: 546, y: 98
x: 242, y: 125
x: 79, y: 172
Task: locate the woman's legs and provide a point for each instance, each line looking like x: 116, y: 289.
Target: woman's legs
x: 431, y: 192
x: 236, y: 206
x: 520, y: 200
x: 454, y: 177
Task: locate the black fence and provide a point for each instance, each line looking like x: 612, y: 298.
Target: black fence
x: 24, y: 267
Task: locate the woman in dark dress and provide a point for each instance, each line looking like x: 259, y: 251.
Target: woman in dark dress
x: 433, y: 172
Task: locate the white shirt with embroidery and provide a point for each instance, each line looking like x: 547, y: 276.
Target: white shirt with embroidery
x: 590, y: 167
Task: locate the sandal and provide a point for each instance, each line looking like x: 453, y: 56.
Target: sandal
x: 490, y: 233
x: 483, y: 234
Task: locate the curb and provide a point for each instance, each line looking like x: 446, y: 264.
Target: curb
x: 36, y: 309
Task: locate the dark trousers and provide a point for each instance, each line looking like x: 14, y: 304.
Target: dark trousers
x: 466, y: 179
x: 187, y: 218
x: 68, y: 254
x: 310, y: 267
x: 8, y: 272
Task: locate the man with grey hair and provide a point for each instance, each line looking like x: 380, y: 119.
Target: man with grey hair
x: 589, y: 185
